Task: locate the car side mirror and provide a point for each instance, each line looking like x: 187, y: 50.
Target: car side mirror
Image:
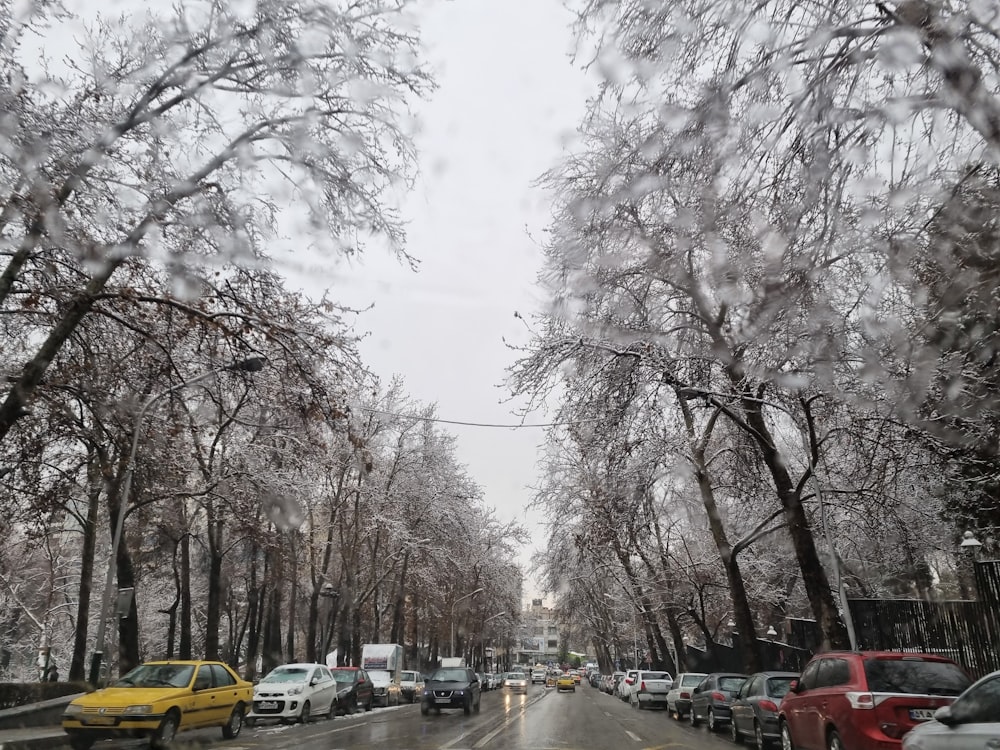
x: 794, y: 687
x: 696, y: 690
x: 945, y: 716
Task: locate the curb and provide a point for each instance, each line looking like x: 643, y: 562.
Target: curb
x: 46, y: 742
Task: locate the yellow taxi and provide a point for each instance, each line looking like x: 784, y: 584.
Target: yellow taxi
x: 158, y: 699
x: 565, y: 681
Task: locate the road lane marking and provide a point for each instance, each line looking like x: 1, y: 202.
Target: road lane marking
x: 633, y: 735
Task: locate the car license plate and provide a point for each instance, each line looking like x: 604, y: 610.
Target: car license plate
x: 268, y: 705
x: 442, y: 700
x: 921, y: 714
x: 100, y: 721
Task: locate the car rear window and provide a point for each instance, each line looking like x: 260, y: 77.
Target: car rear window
x: 915, y: 677
x: 655, y: 676
x: 691, y: 679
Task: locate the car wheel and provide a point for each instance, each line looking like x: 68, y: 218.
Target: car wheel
x: 164, y: 734
x: 834, y: 742
x: 713, y: 725
x: 734, y: 732
x: 786, y: 738
x: 692, y: 716
x: 758, y: 736
x: 234, y: 725
x: 467, y: 707
x: 331, y: 712
x: 371, y: 704
x: 80, y: 742
x: 306, y: 713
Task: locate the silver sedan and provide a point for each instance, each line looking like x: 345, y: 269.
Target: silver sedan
x: 971, y: 722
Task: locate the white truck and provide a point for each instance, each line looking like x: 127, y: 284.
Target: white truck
x: 384, y: 664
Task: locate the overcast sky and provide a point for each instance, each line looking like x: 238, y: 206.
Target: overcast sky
x: 509, y: 97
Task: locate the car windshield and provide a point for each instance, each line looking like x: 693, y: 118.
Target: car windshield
x: 158, y: 675
x: 517, y: 676
x: 450, y: 675
x: 344, y: 675
x: 778, y: 687
x: 409, y: 677
x: 288, y: 674
x: 915, y: 676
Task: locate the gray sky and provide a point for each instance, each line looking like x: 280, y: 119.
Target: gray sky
x: 509, y: 96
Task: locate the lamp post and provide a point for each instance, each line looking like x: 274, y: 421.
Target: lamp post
x: 483, y: 640
x: 461, y: 598
x: 252, y: 364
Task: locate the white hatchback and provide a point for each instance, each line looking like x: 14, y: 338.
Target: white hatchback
x: 294, y: 692
x: 516, y: 682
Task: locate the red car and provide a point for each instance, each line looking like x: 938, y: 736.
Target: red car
x: 865, y: 700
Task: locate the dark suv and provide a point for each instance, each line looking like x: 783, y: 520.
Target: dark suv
x: 451, y: 687
x: 865, y: 700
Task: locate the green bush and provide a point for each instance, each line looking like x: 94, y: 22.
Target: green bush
x: 14, y: 694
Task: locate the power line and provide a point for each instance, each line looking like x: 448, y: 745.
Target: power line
x: 478, y: 424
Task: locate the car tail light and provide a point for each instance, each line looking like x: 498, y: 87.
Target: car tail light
x: 685, y: 695
x: 717, y: 696
x: 860, y: 700
x: 893, y: 730
x: 642, y: 686
x: 769, y: 706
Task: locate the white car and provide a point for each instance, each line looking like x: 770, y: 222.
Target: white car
x: 516, y: 682
x: 679, y: 696
x: 294, y: 692
x: 972, y: 721
x: 411, y: 685
x: 650, y: 689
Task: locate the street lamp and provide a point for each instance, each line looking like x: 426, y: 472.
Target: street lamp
x: 251, y: 364
x: 461, y: 598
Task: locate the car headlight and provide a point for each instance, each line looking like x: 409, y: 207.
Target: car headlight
x: 459, y: 692
x: 139, y: 710
x: 297, y: 690
x: 73, y: 709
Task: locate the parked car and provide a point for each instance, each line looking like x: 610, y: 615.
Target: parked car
x: 493, y: 678
x: 385, y: 690
x: 624, y: 687
x: 712, y: 698
x: 650, y: 689
x: 158, y: 699
x: 616, y: 679
x: 354, y: 689
x: 679, y: 696
x: 972, y: 722
x: 294, y: 692
x: 411, y: 685
x: 755, y: 707
x: 866, y: 700
x: 451, y: 687
x: 516, y: 682
x: 565, y: 682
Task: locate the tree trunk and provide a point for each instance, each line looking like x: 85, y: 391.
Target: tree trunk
x: 213, y: 609
x: 184, y: 648
x: 833, y: 632
x: 78, y: 665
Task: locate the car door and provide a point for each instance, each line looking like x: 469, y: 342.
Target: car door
x: 206, y: 699
x: 699, y: 705
x: 226, y: 691
x: 742, y: 709
x: 364, y: 688
x: 799, y: 712
x: 324, y: 690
